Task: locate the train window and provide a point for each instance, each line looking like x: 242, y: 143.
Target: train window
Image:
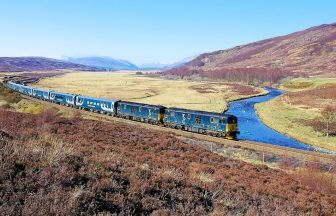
x: 132, y: 109
x: 172, y: 114
x: 139, y: 108
x: 189, y: 116
x: 212, y: 120
x: 232, y: 120
x: 198, y: 119
x: 124, y: 106
x: 97, y: 104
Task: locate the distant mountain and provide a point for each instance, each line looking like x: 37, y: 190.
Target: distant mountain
x: 20, y: 64
x: 308, y: 52
x: 165, y: 66
x: 106, y: 63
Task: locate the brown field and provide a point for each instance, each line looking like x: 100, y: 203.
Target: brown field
x: 53, y: 165
x: 208, y: 96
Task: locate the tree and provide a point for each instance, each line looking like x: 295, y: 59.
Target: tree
x: 329, y: 116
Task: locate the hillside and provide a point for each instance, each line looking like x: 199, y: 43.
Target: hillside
x: 307, y: 53
x: 19, y: 64
x: 106, y: 63
x: 166, y: 66
x: 52, y: 165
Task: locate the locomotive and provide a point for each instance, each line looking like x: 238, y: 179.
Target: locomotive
x: 210, y: 123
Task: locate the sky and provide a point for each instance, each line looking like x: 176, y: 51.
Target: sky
x: 146, y: 31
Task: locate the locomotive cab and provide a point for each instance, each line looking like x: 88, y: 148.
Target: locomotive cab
x: 232, y: 127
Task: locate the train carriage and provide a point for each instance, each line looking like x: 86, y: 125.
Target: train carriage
x: 41, y: 94
x: 152, y: 114
x: 216, y: 124
x: 27, y: 90
x: 62, y: 98
x: 104, y: 106
x: 14, y: 86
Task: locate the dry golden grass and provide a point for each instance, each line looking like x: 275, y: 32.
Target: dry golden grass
x: 129, y: 86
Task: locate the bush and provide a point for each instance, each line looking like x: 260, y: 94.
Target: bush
x: 89, y: 167
x: 247, y: 75
x: 8, y: 95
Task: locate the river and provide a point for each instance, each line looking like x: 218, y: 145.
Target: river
x: 252, y: 128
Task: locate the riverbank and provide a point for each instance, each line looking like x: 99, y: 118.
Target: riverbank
x: 297, y: 113
x: 252, y: 128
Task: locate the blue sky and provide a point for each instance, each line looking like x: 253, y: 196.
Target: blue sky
x: 145, y: 31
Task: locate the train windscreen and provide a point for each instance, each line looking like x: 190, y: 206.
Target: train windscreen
x: 232, y: 120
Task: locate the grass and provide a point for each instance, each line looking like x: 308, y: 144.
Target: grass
x: 8, y: 97
x: 300, y: 84
x: 132, y: 87
x: 304, y: 101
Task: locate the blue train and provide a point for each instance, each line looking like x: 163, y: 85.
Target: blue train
x: 214, y: 124
x: 147, y: 113
x: 103, y: 106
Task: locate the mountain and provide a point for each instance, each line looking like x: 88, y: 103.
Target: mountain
x: 165, y: 66
x: 106, y: 63
x: 305, y: 53
x: 19, y: 64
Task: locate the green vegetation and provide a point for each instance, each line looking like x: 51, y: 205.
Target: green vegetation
x: 298, y: 113
x: 8, y: 97
x: 300, y: 84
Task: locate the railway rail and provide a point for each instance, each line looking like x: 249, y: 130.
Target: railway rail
x: 211, y: 143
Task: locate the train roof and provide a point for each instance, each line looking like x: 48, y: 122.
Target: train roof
x: 142, y: 104
x: 61, y: 93
x: 198, y: 112
x: 100, y: 99
x: 41, y: 89
x: 13, y: 82
x: 19, y: 84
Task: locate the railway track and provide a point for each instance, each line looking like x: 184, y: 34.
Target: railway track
x: 211, y: 143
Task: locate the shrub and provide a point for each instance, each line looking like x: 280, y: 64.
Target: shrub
x: 8, y: 95
x: 90, y: 167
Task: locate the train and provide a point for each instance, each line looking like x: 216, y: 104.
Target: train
x: 209, y: 123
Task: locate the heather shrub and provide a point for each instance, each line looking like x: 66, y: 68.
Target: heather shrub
x: 81, y: 166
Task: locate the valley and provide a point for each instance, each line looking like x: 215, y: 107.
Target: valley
x: 206, y: 95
